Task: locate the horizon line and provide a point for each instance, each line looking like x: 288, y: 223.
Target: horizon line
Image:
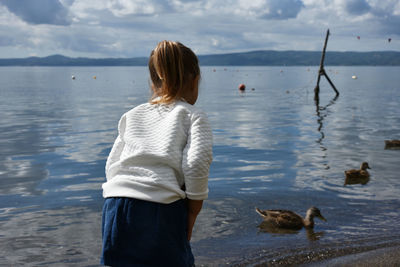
x: 202, y: 55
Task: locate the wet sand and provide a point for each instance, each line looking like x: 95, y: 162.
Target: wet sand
x: 378, y: 257
x: 389, y: 255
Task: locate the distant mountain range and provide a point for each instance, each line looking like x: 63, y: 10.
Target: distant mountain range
x: 254, y: 58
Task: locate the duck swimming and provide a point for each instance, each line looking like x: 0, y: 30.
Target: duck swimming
x: 392, y: 144
x: 356, y: 180
x: 362, y: 173
x: 289, y: 220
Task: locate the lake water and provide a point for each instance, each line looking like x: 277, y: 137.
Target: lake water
x: 272, y: 149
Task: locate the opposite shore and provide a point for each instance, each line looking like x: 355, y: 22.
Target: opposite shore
x: 253, y: 58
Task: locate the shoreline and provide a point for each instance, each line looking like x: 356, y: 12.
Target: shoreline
x: 387, y: 256
x: 384, y: 254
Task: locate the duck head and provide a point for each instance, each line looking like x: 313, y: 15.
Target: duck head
x: 314, y: 212
x: 364, y: 166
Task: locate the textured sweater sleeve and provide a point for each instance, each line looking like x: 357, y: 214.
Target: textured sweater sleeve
x: 117, y: 148
x: 197, y: 157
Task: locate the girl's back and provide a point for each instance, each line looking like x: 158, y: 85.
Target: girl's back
x: 156, y: 152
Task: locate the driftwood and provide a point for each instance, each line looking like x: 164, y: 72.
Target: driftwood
x: 323, y: 72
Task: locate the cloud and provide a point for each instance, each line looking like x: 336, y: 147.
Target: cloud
x: 7, y: 40
x: 357, y: 7
x: 265, y: 9
x: 39, y: 11
x: 139, y: 7
x: 127, y: 28
x: 281, y: 9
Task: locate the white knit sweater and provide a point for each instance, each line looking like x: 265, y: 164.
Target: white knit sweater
x: 160, y: 148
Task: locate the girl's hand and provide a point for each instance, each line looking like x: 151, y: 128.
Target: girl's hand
x: 194, y: 208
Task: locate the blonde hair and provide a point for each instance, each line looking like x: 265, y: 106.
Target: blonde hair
x: 173, y: 70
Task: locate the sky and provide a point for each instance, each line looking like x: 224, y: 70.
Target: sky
x: 132, y: 28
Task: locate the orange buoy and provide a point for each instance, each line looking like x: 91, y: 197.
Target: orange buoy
x: 242, y: 87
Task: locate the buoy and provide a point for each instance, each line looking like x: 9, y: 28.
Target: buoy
x: 94, y: 77
x: 73, y: 77
x: 214, y: 70
x: 354, y: 77
x: 242, y: 87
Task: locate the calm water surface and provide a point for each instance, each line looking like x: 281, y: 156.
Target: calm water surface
x: 273, y: 148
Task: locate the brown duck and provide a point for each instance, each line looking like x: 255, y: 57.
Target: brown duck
x: 392, y: 144
x: 289, y: 220
x: 361, y: 174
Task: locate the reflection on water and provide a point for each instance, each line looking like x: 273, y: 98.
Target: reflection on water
x: 51, y: 237
x: 266, y: 227
x: 55, y: 135
x: 322, y: 113
x: 356, y: 180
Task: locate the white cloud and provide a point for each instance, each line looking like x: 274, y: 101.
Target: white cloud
x: 122, y: 8
x: 127, y: 28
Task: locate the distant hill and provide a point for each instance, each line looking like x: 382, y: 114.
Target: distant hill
x: 59, y: 60
x: 302, y: 58
x: 254, y: 58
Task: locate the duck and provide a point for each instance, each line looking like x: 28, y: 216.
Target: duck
x: 287, y: 219
x: 356, y: 180
x: 390, y: 144
x: 362, y: 173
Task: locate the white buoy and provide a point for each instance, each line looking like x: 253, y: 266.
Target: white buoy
x: 354, y: 77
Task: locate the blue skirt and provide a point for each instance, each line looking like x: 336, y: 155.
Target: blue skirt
x: 142, y: 233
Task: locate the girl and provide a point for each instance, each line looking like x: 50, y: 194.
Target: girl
x: 157, y: 170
